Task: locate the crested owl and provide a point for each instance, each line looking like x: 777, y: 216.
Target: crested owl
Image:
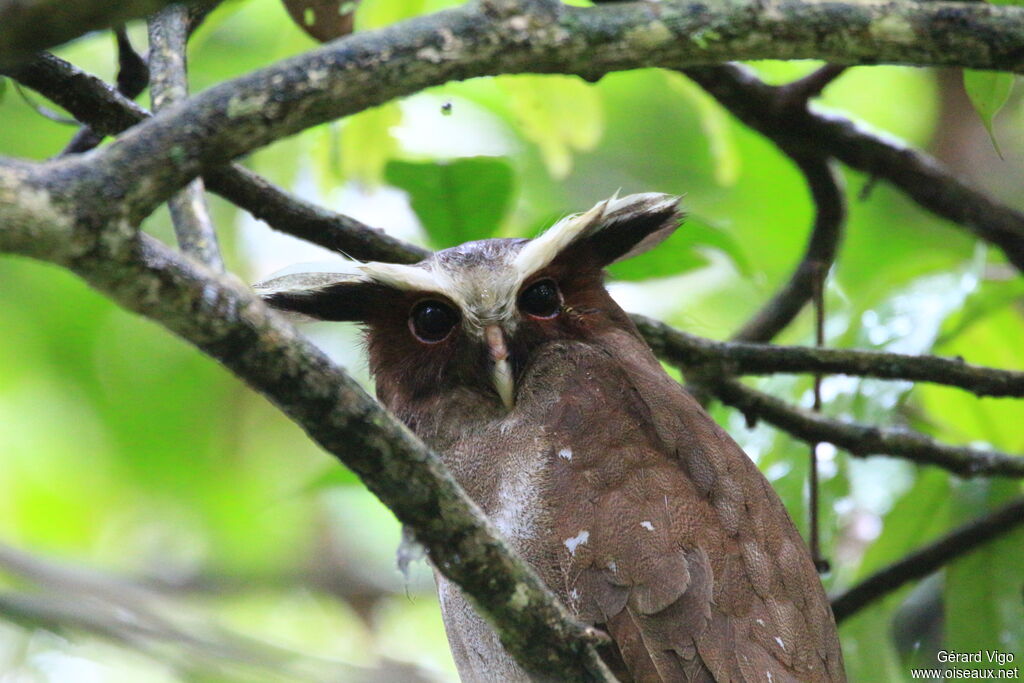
x: 510, y: 359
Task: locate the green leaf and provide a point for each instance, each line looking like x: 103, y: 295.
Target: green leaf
x: 983, y: 604
x: 960, y: 417
x: 989, y: 91
x: 377, y: 13
x: 682, y: 252
x: 715, y: 124
x: 904, y: 528
x: 456, y: 201
x: 3, y: 88
x: 868, y: 648
x: 560, y: 114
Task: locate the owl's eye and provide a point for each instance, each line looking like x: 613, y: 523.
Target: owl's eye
x: 432, y: 321
x: 541, y: 299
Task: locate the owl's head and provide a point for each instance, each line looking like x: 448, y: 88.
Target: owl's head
x: 474, y: 315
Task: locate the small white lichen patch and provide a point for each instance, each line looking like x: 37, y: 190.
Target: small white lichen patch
x: 241, y: 105
x: 650, y: 35
x: 614, y: 567
x: 576, y: 541
x: 893, y: 28
x: 779, y: 641
x: 565, y: 454
x: 647, y: 525
x: 519, y: 23
x: 520, y: 598
x: 769, y: 676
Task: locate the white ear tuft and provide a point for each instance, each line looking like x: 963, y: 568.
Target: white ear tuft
x: 649, y: 204
x: 405, y: 277
x: 301, y: 283
x: 618, y: 228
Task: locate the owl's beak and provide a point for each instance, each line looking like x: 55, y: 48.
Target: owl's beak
x: 501, y: 373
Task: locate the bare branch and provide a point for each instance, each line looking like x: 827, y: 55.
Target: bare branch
x: 168, y: 44
x: 799, y: 92
x: 88, y: 98
x: 863, y: 440
x: 920, y: 176
x: 288, y: 213
x: 818, y: 298
x: 926, y: 560
x: 708, y: 356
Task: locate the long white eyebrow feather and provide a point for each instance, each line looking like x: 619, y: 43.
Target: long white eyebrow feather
x: 543, y: 249
x: 409, y: 277
x: 308, y: 277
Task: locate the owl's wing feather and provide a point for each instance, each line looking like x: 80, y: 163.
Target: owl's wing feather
x: 674, y: 541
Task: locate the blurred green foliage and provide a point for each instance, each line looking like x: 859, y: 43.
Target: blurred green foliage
x: 127, y: 451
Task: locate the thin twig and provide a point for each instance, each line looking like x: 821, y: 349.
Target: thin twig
x: 826, y: 188
x: 168, y: 45
x: 799, y: 92
x: 818, y: 287
x: 735, y: 358
x: 710, y: 365
x: 926, y: 560
x: 45, y: 112
x: 293, y: 215
x: 860, y: 439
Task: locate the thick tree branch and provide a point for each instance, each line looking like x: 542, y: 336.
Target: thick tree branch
x: 735, y: 358
x: 94, y: 102
x: 920, y: 176
x: 929, y: 558
x: 33, y: 25
x: 917, y: 174
x: 168, y: 44
x: 367, y: 69
x: 829, y: 200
